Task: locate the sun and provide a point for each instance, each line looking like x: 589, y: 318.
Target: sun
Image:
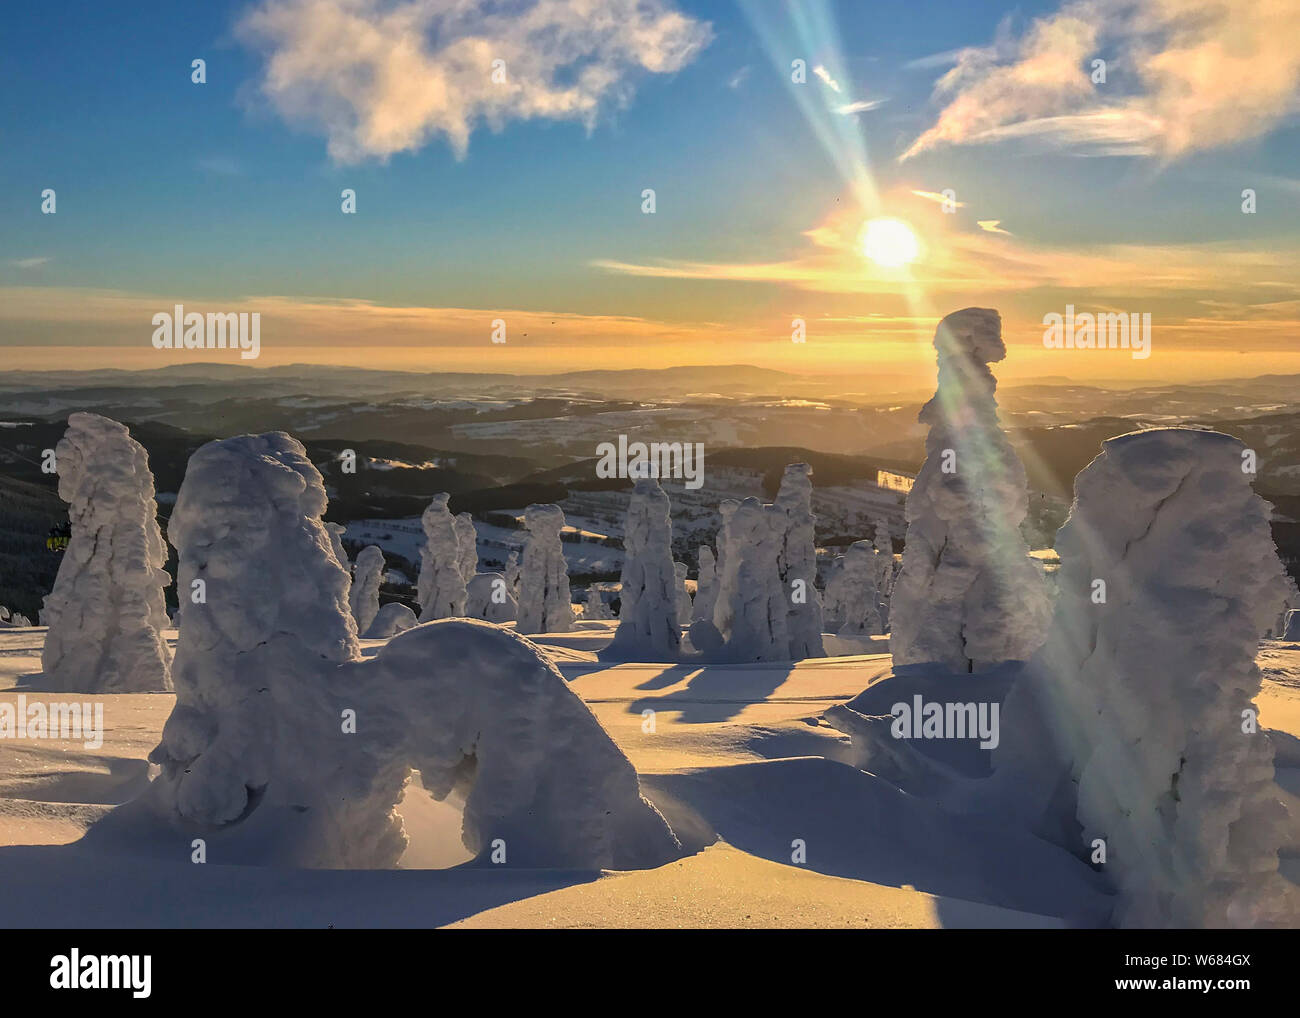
x: 890, y: 243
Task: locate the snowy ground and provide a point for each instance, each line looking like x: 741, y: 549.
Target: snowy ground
x: 736, y: 757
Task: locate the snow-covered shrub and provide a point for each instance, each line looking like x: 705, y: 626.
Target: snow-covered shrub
x: 441, y: 585
x: 106, y: 612
x: 1144, y: 688
x: 648, y: 621
x: 488, y: 597
x: 968, y: 596
x: 853, y: 591
x: 797, y: 563
x: 363, y: 595
x: 285, y: 747
x: 545, y: 605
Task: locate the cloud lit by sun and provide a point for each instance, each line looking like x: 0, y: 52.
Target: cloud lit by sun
x: 889, y: 243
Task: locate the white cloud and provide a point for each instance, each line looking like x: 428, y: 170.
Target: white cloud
x: 826, y: 78
x: 1183, y: 75
x: 861, y: 106
x: 379, y: 77
x: 991, y: 226
x: 30, y: 263
x: 739, y: 77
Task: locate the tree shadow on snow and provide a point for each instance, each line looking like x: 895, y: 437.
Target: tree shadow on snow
x: 716, y: 693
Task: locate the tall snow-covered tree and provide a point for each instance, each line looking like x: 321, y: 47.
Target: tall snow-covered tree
x: 752, y: 609
x: 441, y: 585
x: 545, y: 604
x: 363, y: 596
x: 853, y: 591
x: 797, y: 562
x: 968, y: 596
x: 648, y: 626
x: 106, y: 612
x: 706, y: 587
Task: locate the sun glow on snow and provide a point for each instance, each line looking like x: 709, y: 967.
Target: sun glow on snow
x: 890, y: 243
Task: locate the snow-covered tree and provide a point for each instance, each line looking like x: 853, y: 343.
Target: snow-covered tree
x: 106, y: 612
x: 752, y: 607
x: 884, y: 562
x: 853, y: 591
x: 1168, y: 578
x: 467, y: 545
x: 706, y: 587
x: 286, y: 748
x: 512, y: 573
x: 545, y: 605
x: 489, y: 598
x: 797, y: 563
x: 441, y: 586
x: 12, y: 620
x: 648, y: 621
x: 968, y: 596
x: 594, y: 607
x: 684, y: 605
x: 363, y: 596
x: 832, y: 600
x: 1290, y: 625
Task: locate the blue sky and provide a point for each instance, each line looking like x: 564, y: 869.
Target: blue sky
x: 226, y: 192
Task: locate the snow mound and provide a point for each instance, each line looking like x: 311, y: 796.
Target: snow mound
x: 392, y: 618
x: 106, y: 612
x: 968, y: 596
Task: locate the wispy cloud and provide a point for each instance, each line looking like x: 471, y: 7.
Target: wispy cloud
x: 861, y: 106
x: 378, y: 78
x: 991, y: 226
x: 939, y: 199
x: 739, y: 78
x: 30, y: 263
x: 1187, y: 75
x: 826, y: 78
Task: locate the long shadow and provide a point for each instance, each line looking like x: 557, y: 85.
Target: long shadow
x: 853, y: 824
x: 718, y: 692
x: 63, y: 886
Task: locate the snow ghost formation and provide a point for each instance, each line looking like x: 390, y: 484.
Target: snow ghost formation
x: 797, y: 563
x: 545, y: 605
x: 752, y: 609
x: 832, y: 603
x: 1145, y: 685
x: 106, y: 612
x: 706, y: 587
x: 853, y: 592
x: 251, y: 655
x: 254, y: 758
x: 648, y: 622
x: 391, y: 619
x: 684, y: 605
x: 488, y: 597
x: 441, y: 584
x: 968, y: 596
x: 467, y: 544
x: 363, y: 596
